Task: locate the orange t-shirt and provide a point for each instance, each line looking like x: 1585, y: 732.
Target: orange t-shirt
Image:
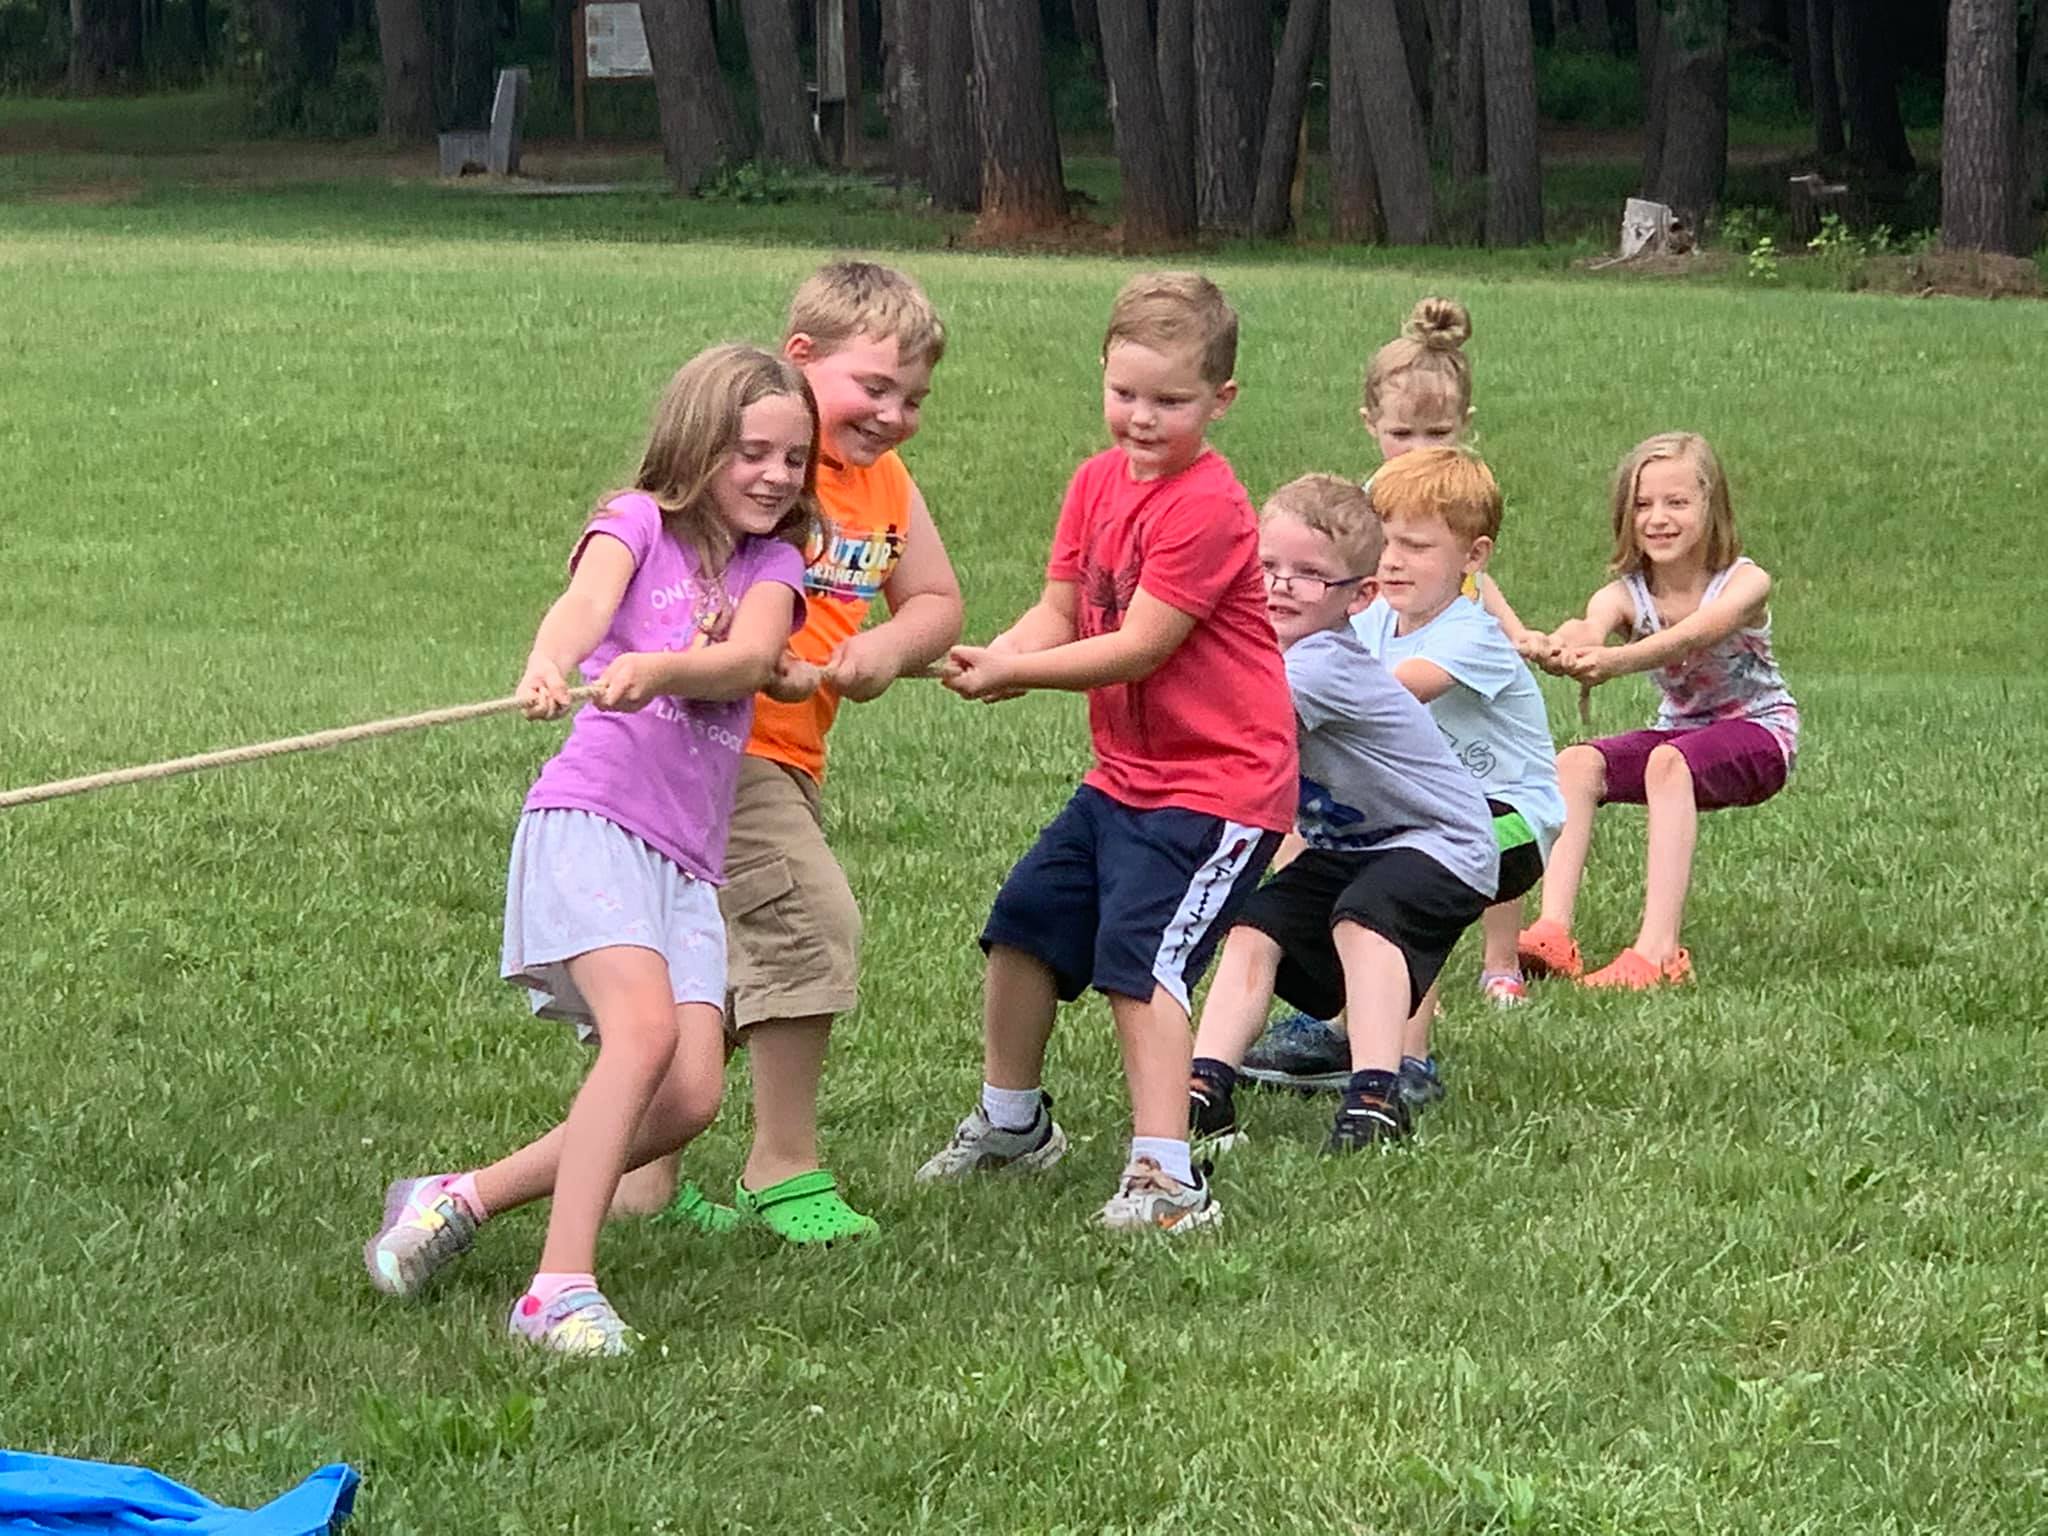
x: 866, y: 519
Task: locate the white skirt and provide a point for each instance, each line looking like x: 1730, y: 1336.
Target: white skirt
x: 579, y: 882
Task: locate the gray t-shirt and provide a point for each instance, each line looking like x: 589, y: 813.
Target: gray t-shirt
x: 1375, y: 772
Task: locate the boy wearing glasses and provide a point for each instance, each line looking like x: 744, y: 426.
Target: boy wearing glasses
x: 1153, y: 606
x: 1399, y: 848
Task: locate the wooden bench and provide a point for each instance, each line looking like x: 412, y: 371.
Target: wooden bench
x: 493, y: 150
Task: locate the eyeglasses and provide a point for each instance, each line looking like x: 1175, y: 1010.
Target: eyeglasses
x: 1310, y: 589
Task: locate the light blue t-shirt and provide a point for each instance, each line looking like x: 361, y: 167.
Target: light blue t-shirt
x: 1492, y: 715
x: 1374, y: 770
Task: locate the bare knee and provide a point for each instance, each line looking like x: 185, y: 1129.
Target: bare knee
x: 645, y: 1043
x: 1582, y: 770
x: 1666, y: 771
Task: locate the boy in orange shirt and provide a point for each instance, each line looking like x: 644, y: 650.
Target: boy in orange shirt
x: 867, y: 340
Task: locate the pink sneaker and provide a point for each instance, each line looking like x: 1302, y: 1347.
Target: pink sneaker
x: 578, y: 1322
x: 1503, y: 989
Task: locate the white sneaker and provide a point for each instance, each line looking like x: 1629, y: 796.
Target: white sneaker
x: 979, y: 1146
x: 1149, y: 1196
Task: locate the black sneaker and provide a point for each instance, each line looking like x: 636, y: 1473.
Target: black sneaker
x: 1306, y: 1054
x: 1368, y: 1119
x: 1421, y: 1082
x: 1212, y: 1116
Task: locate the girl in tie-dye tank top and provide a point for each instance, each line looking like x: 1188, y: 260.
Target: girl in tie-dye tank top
x: 1693, y: 611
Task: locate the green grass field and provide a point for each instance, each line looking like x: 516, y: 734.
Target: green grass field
x: 1762, y: 1256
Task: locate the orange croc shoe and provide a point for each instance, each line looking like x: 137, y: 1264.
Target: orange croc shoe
x: 1546, y: 948
x: 1631, y: 970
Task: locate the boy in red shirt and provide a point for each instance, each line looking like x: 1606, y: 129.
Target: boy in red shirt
x: 1155, y: 607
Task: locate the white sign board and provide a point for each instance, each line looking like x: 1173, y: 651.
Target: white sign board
x: 615, y: 43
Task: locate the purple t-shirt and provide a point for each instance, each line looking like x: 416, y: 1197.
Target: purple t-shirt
x: 665, y: 772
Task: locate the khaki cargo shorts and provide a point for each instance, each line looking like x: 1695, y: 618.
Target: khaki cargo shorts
x: 792, y: 930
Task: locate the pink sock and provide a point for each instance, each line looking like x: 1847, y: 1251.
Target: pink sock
x: 463, y: 1188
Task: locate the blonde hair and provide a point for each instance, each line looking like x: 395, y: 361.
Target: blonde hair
x: 695, y: 432
x: 1431, y: 344
x: 845, y: 300
x: 1168, y: 310
x: 1451, y: 485
x: 1339, y: 511
x: 1723, y: 544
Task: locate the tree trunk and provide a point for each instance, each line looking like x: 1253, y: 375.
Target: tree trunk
x: 1233, y: 73
x: 1693, y: 162
x: 469, y: 62
x: 787, y: 137
x: 1980, y: 126
x: 1651, y: 71
x: 1514, y: 166
x: 1870, y: 86
x: 904, y: 27
x: 1158, y: 190
x: 106, y: 45
x: 1799, y: 54
x: 1371, y: 39
x: 408, y: 105
x: 1022, y: 187
x: 1354, y: 188
x: 699, y: 132
x: 1176, y: 47
x: 202, y: 32
x: 1827, y: 93
x: 1415, y: 48
x: 1468, y: 126
x: 2034, y: 135
x: 954, y: 175
x: 1283, y: 116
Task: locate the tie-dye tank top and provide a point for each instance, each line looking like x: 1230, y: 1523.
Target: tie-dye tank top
x: 1735, y: 680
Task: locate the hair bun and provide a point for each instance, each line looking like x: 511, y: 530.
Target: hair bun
x: 1439, y: 324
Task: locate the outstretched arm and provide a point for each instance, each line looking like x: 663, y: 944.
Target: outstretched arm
x: 925, y: 616
x: 574, y: 624
x: 1152, y: 631
x: 1739, y: 604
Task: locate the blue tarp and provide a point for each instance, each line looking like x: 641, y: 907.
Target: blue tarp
x: 56, y: 1496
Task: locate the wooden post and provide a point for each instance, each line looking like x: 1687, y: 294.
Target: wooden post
x: 849, y: 154
x: 582, y: 53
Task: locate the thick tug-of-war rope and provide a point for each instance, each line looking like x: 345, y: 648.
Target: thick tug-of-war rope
x: 339, y: 737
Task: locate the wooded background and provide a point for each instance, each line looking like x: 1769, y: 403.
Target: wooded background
x: 1426, y: 109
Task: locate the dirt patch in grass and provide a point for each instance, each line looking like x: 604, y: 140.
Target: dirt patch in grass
x: 1959, y: 274
x: 90, y: 194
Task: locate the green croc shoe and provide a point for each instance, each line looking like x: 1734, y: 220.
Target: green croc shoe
x: 693, y: 1208
x: 806, y: 1209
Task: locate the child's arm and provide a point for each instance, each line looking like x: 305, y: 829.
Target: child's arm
x: 1050, y: 621
x: 1608, y: 613
x: 1152, y: 631
x: 925, y: 616
x: 1425, y: 679
x: 1739, y: 604
x: 574, y: 625
x: 1496, y: 603
x: 740, y: 665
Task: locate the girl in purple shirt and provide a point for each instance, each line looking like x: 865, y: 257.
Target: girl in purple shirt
x: 683, y: 592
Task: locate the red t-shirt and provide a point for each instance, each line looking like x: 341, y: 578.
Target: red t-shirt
x: 1213, y: 729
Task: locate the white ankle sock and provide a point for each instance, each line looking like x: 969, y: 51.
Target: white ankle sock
x: 1010, y: 1109
x: 1171, y: 1156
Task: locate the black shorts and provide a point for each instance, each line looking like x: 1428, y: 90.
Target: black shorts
x: 1405, y: 897
x: 1521, y: 856
x: 1126, y: 900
